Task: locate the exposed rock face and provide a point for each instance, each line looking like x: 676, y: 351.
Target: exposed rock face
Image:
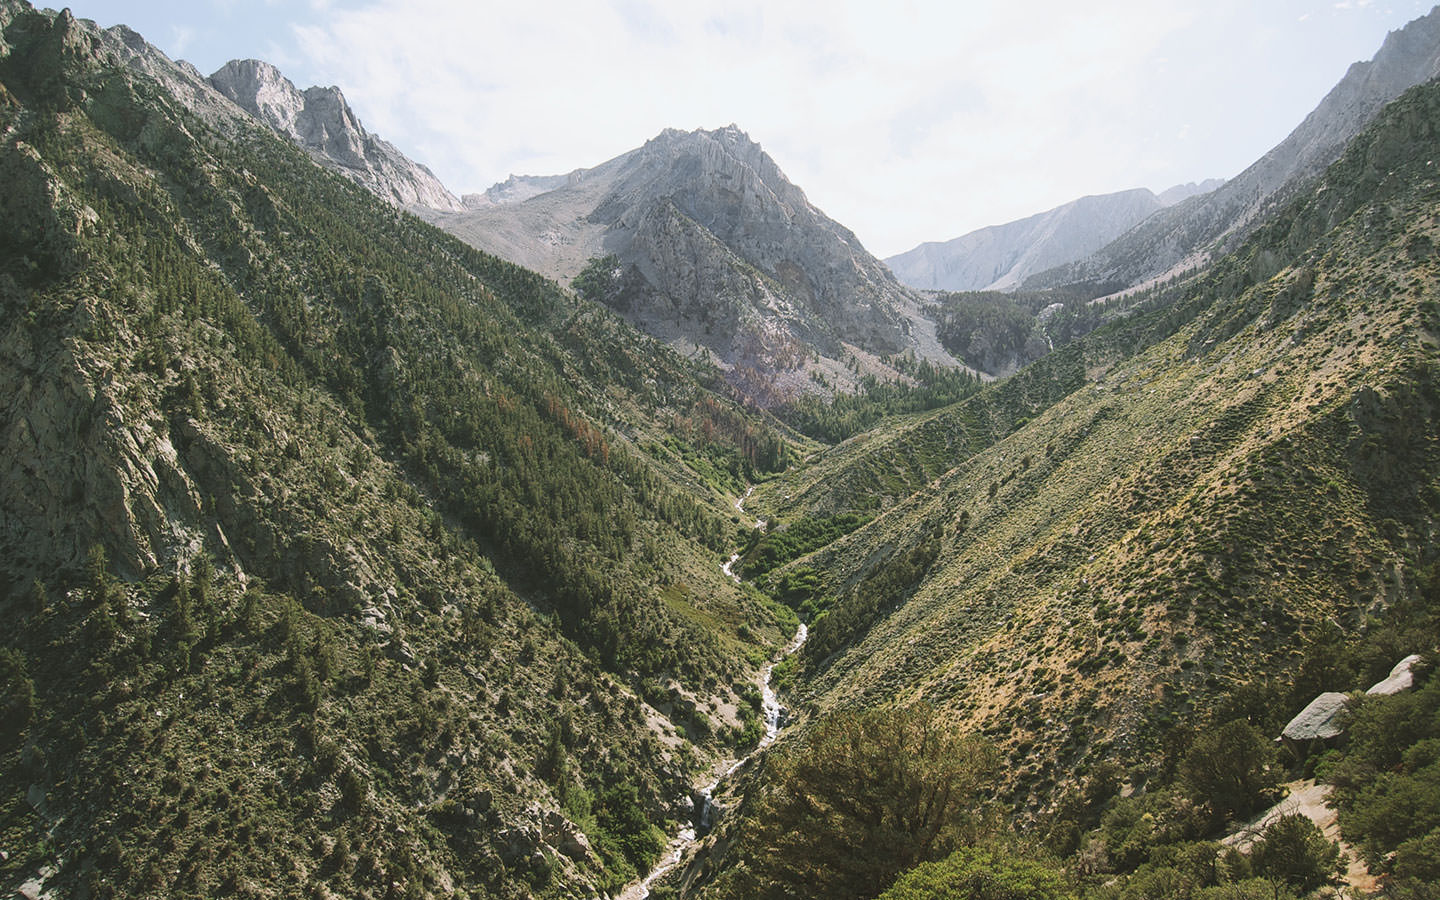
x: 1001, y: 256
x: 519, y: 188
x: 1183, y: 235
x: 720, y: 251
x: 320, y: 121
x: 1319, y: 720
x: 180, y: 78
x: 1401, y: 678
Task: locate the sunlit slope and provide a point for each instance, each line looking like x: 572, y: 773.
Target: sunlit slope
x: 1177, y: 522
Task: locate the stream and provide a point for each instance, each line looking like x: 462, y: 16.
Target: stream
x: 728, y: 568
x: 687, y: 836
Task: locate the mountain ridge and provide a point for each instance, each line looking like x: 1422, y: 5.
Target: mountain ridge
x: 1181, y: 237
x: 1000, y: 257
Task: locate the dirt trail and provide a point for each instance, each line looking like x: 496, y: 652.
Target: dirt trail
x: 1310, y: 800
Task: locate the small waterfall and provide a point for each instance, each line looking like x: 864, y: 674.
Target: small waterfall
x: 686, y: 837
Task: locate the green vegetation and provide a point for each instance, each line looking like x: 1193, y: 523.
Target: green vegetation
x: 843, y: 416
x: 342, y: 559
x: 782, y: 542
x: 381, y: 563
x: 1154, y: 545
x: 1294, y: 850
x: 862, y: 798
x: 1387, y: 777
x: 991, y: 331
x: 970, y: 874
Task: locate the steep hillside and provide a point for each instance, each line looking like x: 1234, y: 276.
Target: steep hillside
x: 335, y: 556
x: 319, y: 120
x: 1097, y: 560
x: 701, y: 240
x: 1000, y: 257
x: 1184, y: 235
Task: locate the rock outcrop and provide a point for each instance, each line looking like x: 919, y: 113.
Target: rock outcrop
x: 719, y: 252
x: 319, y: 120
x: 518, y: 189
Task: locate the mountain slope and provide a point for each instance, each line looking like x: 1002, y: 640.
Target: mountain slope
x: 336, y: 556
x: 1095, y: 576
x: 714, y: 248
x: 320, y: 121
x: 1180, y: 237
x: 1002, y: 256
x: 1096, y: 572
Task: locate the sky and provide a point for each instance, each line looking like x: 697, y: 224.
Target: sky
x: 906, y: 121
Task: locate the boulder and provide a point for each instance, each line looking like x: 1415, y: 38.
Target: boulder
x: 1319, y: 722
x: 1401, y: 678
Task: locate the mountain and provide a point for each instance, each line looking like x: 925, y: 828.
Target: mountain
x: 1176, y: 529
x: 714, y: 249
x: 1184, y: 235
x: 519, y: 188
x: 341, y: 558
x: 319, y: 120
x: 335, y: 555
x: 1173, y: 195
x: 1001, y: 256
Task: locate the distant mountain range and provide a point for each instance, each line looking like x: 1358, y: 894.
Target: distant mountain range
x: 1000, y: 257
x: 718, y: 253
x: 1183, y: 236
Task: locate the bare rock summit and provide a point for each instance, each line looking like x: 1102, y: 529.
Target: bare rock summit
x: 319, y: 120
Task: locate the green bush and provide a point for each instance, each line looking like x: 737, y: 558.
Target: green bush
x: 973, y: 874
x: 865, y: 796
x: 1249, y: 889
x: 1231, y: 769
x: 1294, y: 850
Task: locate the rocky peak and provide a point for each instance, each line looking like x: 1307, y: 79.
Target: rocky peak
x: 321, y: 122
x: 718, y: 253
x: 1173, y: 195
x: 699, y: 168
x: 519, y: 188
x: 258, y: 88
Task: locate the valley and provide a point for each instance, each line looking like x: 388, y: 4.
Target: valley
x: 635, y: 532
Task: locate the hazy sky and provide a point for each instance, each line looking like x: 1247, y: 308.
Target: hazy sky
x: 905, y: 121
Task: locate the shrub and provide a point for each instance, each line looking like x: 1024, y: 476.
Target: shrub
x: 972, y: 874
x: 866, y: 796
x: 1230, y: 768
x: 1294, y: 850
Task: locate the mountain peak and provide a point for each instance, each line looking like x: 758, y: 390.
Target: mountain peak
x: 319, y: 120
x: 721, y: 255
